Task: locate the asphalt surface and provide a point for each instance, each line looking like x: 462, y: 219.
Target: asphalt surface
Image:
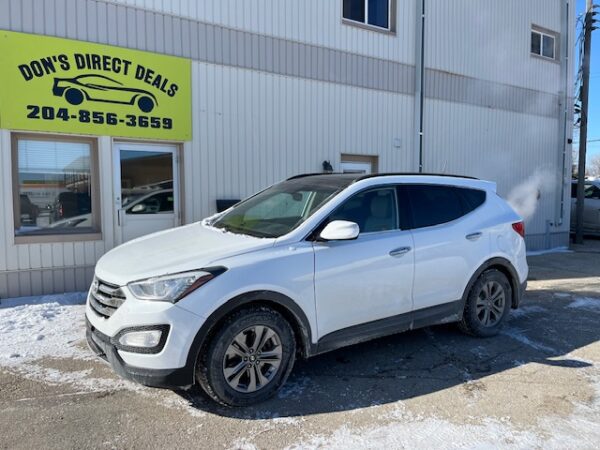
x: 535, y: 385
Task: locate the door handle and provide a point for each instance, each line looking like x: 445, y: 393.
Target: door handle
x: 400, y: 251
x: 474, y: 236
x: 120, y: 217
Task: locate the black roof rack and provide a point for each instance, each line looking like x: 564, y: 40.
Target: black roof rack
x: 375, y: 175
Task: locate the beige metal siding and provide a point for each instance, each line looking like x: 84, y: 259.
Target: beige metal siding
x: 252, y: 129
x: 490, y: 40
x: 316, y: 22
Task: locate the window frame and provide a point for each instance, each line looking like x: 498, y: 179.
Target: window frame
x: 391, y: 29
x: 56, y: 237
x: 548, y: 33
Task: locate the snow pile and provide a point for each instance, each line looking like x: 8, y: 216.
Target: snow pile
x: 37, y: 327
x: 34, y: 331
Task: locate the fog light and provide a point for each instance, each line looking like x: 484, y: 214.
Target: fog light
x: 144, y: 339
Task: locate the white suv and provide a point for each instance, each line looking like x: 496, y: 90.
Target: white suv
x: 306, y: 266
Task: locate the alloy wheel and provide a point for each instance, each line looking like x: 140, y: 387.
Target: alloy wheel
x: 490, y: 303
x: 252, y: 359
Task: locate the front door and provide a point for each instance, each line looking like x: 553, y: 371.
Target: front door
x: 146, y: 189
x: 369, y: 278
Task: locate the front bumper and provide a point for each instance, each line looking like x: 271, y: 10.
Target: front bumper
x: 104, y: 347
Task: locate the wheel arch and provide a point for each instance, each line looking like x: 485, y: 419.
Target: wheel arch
x: 287, y: 307
x: 503, y: 265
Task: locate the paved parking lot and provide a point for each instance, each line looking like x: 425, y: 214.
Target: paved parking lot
x: 535, y: 385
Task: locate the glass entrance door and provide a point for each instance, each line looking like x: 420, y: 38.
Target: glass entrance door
x: 147, y: 196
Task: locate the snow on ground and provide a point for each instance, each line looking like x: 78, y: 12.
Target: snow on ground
x: 591, y: 304
x: 36, y: 327
x: 406, y: 431
x: 527, y: 310
x: 43, y: 328
x: 549, y: 251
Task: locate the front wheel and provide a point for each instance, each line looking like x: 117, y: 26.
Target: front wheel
x: 488, y: 305
x: 248, y: 359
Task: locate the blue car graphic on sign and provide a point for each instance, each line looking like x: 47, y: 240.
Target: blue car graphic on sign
x: 100, y: 88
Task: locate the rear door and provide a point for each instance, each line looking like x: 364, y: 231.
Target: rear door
x: 450, y: 241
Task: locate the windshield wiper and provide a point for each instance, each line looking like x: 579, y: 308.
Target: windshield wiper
x: 239, y: 230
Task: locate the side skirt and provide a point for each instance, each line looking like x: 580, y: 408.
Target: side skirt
x: 434, y: 315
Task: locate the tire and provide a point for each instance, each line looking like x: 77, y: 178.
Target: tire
x: 145, y: 103
x: 74, y: 96
x: 485, y: 313
x: 217, y: 367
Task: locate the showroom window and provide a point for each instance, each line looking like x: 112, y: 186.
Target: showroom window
x: 377, y: 14
x: 543, y: 43
x: 55, y: 186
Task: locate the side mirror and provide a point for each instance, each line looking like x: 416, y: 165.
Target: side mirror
x: 139, y: 208
x: 340, y: 230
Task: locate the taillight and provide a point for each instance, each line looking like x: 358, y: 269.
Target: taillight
x: 519, y: 227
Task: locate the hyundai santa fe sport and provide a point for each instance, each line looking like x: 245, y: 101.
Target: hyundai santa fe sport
x: 311, y: 264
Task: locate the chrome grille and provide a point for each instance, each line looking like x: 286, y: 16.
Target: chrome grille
x: 105, y: 298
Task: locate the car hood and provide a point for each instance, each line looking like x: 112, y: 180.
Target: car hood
x: 172, y: 251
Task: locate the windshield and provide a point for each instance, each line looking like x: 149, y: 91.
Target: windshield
x: 282, y: 207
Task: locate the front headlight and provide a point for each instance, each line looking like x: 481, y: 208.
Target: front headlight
x: 169, y: 288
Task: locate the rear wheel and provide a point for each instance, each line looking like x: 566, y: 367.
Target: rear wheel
x: 488, y: 305
x: 248, y: 359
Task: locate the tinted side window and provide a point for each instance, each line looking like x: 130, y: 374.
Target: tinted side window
x: 592, y: 191
x: 433, y: 205
x: 471, y: 198
x: 574, y: 190
x: 373, y: 210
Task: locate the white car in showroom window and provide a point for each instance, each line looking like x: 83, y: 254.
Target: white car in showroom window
x: 311, y: 264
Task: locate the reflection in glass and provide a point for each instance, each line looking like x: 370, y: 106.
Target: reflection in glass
x: 378, y: 13
x: 146, y: 182
x: 54, y: 187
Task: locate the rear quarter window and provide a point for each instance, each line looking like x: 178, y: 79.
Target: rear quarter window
x: 471, y: 198
x: 434, y: 204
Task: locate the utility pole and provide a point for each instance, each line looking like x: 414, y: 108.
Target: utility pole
x: 585, y: 92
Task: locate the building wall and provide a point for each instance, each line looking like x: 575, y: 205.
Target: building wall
x: 252, y: 129
x: 280, y: 86
x: 316, y: 22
